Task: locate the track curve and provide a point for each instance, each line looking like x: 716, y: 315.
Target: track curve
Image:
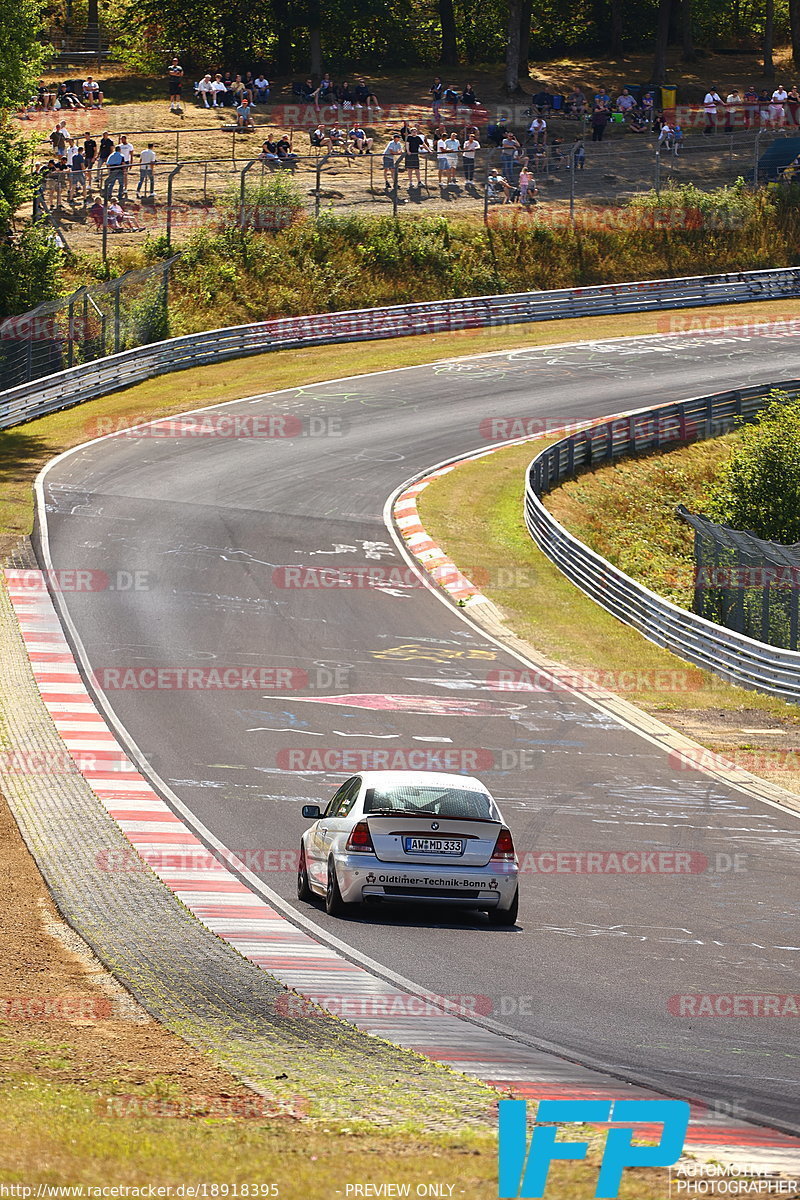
x: 209, y: 520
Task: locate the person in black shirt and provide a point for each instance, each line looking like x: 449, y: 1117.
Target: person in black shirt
x: 437, y: 91
x: 105, y: 148
x: 415, y: 142
x: 468, y: 95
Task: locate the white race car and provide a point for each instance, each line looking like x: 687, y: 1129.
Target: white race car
x: 410, y: 836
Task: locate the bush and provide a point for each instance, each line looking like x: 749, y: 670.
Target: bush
x: 29, y: 269
x: 758, y: 489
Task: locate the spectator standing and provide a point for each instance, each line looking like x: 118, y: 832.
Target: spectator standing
x: 126, y: 150
x: 471, y: 147
x: 733, y: 105
x: 59, y: 137
x: 436, y: 91
x: 792, y: 105
x: 116, y: 173
x: 508, y: 148
x: 175, y: 81
x: 391, y: 156
x: 711, y: 104
x: 600, y: 118
x: 89, y: 156
x: 76, y: 183
x: 147, y: 162
x: 415, y: 144
x: 777, y: 110
x: 452, y: 146
x: 104, y: 150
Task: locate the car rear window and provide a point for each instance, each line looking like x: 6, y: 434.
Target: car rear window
x: 435, y: 801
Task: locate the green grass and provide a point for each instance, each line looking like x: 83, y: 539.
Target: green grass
x: 57, y: 1134
x: 626, y: 512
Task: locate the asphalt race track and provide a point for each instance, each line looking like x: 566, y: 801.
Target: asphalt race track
x: 213, y: 521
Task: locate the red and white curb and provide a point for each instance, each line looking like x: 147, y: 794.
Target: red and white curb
x: 430, y: 556
x: 227, y: 907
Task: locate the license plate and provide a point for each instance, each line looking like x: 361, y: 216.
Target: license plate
x: 425, y: 845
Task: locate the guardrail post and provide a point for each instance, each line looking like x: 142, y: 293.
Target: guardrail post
x: 170, y: 179
x: 658, y: 173
x: 756, y: 157
x: 117, y: 338
x: 243, y: 172
x: 395, y: 173
x: 572, y: 154
x: 317, y: 186
x: 71, y: 328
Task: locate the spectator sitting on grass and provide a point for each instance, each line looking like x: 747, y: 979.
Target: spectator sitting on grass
x: 325, y: 93
x: 306, y: 90
x: 218, y: 91
x: 91, y: 93
x: 261, y: 89
x: 468, y: 96
x: 284, y: 151
x: 345, y: 95
x: 205, y: 89
x: 45, y: 98
x: 66, y: 99
x: 360, y: 140
x: 236, y: 89
x: 365, y: 95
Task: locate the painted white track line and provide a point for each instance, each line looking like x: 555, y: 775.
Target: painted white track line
x: 318, y: 972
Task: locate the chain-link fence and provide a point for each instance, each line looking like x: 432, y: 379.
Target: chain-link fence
x: 745, y: 583
x: 92, y: 322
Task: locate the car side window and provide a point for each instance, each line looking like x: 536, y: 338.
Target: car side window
x: 349, y: 800
x: 339, y: 798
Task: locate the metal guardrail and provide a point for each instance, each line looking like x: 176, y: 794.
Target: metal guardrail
x: 90, y: 380
x: 733, y: 656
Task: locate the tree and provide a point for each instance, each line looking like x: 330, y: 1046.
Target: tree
x: 769, y: 37
x: 447, y: 16
x: 662, y: 40
x: 758, y: 489
x: 513, y: 53
x: 21, y: 52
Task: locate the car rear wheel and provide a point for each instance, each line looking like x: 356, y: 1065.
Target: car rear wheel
x: 334, y: 904
x: 505, y: 916
x: 303, y: 887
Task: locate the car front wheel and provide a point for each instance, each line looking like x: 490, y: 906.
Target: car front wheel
x: 303, y: 887
x: 334, y: 904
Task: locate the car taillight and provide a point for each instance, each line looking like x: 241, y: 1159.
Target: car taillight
x: 360, y: 838
x: 504, y: 846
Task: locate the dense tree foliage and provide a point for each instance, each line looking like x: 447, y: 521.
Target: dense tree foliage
x: 759, y: 487
x: 341, y: 35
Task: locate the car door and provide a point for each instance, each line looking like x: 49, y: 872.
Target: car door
x: 319, y: 841
x: 340, y: 822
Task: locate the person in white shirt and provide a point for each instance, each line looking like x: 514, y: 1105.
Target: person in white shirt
x: 91, y: 93
x: 125, y: 148
x: 205, y: 88
x: 391, y: 153
x: 471, y: 146
x: 777, y: 111
x: 70, y: 151
x: 147, y: 161
x: 261, y: 86
x: 218, y: 91
x: 452, y: 146
x: 710, y: 102
x: 538, y: 131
